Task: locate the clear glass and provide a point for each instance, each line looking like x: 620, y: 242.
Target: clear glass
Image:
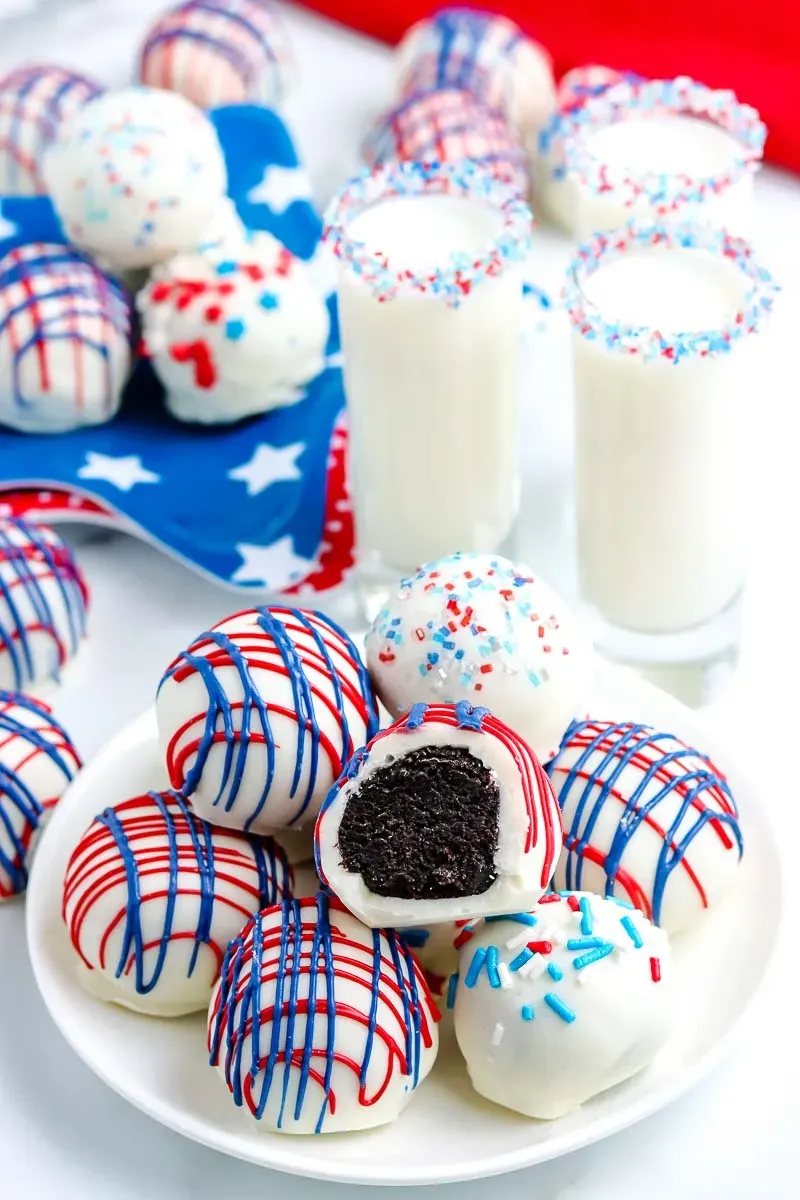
x: 661, y: 468
x: 432, y: 393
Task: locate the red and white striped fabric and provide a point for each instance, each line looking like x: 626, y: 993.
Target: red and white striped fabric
x: 448, y: 126
x: 219, y: 52
x: 34, y: 101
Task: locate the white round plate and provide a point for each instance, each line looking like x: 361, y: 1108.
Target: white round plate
x: 447, y: 1133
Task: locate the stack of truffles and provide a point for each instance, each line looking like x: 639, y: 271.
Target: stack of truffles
x: 494, y: 853
x: 232, y: 322
x: 468, y: 85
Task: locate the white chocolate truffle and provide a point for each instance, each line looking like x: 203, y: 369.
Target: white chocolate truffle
x: 34, y: 102
x: 153, y: 896
x: 477, y: 627
x: 218, y: 52
x: 445, y: 816
x: 257, y: 717
x: 646, y: 819
x: 484, y: 54
x: 319, y: 1025
x: 136, y: 176
x: 43, y: 603
x: 37, y: 762
x: 65, y: 341
x: 559, y: 1004
x: 233, y: 331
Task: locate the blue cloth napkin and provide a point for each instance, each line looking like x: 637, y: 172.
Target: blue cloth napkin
x: 244, y: 504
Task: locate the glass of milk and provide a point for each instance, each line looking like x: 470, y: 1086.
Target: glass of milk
x: 664, y: 320
x: 430, y: 306
x: 664, y: 148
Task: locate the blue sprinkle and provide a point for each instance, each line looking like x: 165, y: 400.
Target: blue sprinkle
x: 554, y: 972
x: 416, y: 716
x: 268, y: 300
x: 226, y: 268
x: 523, y: 957
x: 234, y: 330
x: 632, y: 932
x: 527, y: 1012
x: 584, y: 943
x: 415, y: 937
x: 586, y: 960
x: 622, y: 903
x: 558, y: 1006
x: 475, y: 967
x: 452, y: 988
x: 492, y: 959
x: 520, y: 918
x: 587, y: 923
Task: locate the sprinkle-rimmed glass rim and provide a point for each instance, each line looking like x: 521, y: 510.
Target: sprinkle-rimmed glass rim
x: 662, y: 190
x: 588, y: 320
x: 462, y: 272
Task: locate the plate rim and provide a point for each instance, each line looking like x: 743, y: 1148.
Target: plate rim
x: 319, y: 1167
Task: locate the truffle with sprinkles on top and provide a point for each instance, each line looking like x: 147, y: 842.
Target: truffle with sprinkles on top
x: 235, y: 330
x: 555, y: 1005
x: 136, y: 176
x: 480, y: 628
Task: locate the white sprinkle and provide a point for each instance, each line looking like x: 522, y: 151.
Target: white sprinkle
x: 519, y: 939
x: 534, y: 967
x: 505, y: 976
x: 497, y: 1036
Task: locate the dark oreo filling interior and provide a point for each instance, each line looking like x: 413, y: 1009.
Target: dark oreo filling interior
x: 424, y: 827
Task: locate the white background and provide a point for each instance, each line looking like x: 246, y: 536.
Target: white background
x: 62, y: 1134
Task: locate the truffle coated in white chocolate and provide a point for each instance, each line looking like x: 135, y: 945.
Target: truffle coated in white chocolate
x: 559, y: 1004
x: 37, y: 762
x: 319, y: 1025
x: 218, y: 52
x: 480, y: 628
x: 234, y: 330
x: 646, y: 819
x: 527, y: 837
x: 43, y: 604
x: 484, y: 54
x: 34, y: 101
x: 257, y: 716
x: 153, y: 896
x: 65, y: 341
x: 136, y: 176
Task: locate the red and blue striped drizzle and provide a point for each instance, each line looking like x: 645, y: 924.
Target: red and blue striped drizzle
x: 627, y: 740
x: 238, y: 1010
x: 272, y: 882
x: 14, y: 793
x: 62, y: 569
x: 254, y: 704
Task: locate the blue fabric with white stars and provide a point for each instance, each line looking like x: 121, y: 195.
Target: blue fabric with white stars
x: 193, y: 508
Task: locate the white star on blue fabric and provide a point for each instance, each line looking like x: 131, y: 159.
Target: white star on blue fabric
x: 274, y: 566
x: 123, y: 472
x: 8, y: 229
x: 280, y: 187
x: 269, y: 464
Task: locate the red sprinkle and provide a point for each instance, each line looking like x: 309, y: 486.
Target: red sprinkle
x: 574, y: 903
x: 540, y: 947
x: 655, y: 969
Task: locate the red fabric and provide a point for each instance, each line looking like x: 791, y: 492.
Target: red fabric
x: 749, y: 46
